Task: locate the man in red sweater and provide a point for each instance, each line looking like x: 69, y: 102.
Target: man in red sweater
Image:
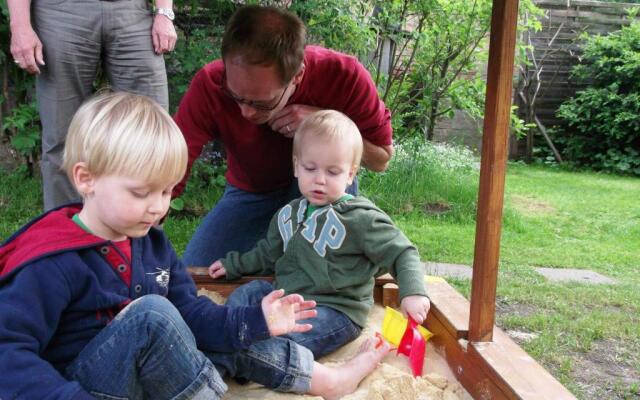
x: 253, y: 100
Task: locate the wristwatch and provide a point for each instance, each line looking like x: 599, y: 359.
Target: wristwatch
x: 167, y: 12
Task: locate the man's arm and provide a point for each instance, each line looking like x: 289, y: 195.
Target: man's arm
x: 163, y: 33
x: 26, y: 47
x: 374, y: 157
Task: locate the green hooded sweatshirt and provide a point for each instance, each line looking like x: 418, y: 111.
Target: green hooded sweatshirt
x: 333, y: 255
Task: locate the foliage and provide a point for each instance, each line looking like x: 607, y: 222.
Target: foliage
x: 23, y: 128
x: 195, y: 48
x: 205, y: 186
x: 603, y: 121
x: 437, y: 51
x: 440, y: 48
x: 321, y: 17
x: 20, y: 119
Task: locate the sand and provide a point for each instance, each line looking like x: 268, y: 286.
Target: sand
x: 392, y: 379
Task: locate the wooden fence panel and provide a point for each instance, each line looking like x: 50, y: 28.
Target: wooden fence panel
x: 575, y: 17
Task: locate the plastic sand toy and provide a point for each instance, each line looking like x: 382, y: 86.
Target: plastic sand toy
x: 408, y: 336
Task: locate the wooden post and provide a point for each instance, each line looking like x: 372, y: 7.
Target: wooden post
x: 492, y: 169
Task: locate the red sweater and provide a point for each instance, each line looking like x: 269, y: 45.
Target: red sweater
x: 259, y: 159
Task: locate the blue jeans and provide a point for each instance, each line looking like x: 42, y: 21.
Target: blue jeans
x: 265, y: 361
x: 237, y: 222
x: 146, y: 352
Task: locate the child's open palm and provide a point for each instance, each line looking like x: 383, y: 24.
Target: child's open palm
x: 282, y: 313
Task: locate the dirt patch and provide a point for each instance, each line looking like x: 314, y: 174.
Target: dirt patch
x: 528, y: 205
x: 437, y: 208
x: 607, y: 371
x: 519, y: 309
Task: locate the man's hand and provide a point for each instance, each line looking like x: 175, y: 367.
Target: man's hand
x: 282, y: 313
x: 216, y: 270
x: 287, y: 120
x: 26, y: 48
x: 163, y: 34
x: 416, y: 306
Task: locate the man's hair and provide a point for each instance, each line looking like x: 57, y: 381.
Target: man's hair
x: 126, y: 134
x: 266, y: 36
x: 332, y: 126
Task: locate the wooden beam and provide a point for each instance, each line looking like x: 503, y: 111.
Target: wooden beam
x: 492, y: 169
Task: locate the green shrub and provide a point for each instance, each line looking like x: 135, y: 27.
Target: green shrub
x: 603, y: 121
x: 23, y: 128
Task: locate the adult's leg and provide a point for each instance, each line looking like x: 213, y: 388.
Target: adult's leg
x: 149, y: 352
x: 236, y: 223
x: 129, y: 60
x: 70, y: 35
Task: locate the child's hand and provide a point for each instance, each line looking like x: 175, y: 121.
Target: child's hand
x: 216, y: 270
x: 282, y: 313
x: 416, y: 306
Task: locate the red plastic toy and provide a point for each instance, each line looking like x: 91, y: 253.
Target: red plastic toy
x: 413, y: 345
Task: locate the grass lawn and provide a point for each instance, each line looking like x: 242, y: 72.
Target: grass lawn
x: 588, y: 336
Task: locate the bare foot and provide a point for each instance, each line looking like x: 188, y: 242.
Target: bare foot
x: 334, y: 382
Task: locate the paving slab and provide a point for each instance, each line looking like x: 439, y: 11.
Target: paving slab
x: 456, y: 271
x: 574, y: 275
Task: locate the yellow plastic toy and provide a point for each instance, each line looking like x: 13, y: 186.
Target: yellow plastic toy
x: 409, y: 337
x: 394, y: 325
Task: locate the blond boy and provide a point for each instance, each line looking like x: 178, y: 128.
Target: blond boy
x: 328, y: 245
x: 95, y: 302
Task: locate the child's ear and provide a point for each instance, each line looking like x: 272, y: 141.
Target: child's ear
x: 83, y: 179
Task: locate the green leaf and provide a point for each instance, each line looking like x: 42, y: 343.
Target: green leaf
x: 177, y: 204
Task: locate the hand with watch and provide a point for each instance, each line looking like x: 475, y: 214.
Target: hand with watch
x: 163, y: 33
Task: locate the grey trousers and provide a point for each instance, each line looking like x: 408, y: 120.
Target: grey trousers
x: 77, y: 37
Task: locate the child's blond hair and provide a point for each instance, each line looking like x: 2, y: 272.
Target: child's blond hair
x: 333, y: 126
x: 126, y: 134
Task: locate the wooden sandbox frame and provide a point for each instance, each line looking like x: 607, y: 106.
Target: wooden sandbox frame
x: 483, y: 358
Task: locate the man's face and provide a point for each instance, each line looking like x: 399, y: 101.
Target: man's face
x: 256, y: 89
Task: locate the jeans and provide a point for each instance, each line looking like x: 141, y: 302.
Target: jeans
x: 147, y: 352
x: 237, y: 222
x: 265, y: 361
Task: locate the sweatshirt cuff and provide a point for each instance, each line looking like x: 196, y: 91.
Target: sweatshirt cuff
x: 257, y: 328
x: 411, y: 284
x: 229, y: 263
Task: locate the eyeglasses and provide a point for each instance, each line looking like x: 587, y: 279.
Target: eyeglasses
x: 257, y: 105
